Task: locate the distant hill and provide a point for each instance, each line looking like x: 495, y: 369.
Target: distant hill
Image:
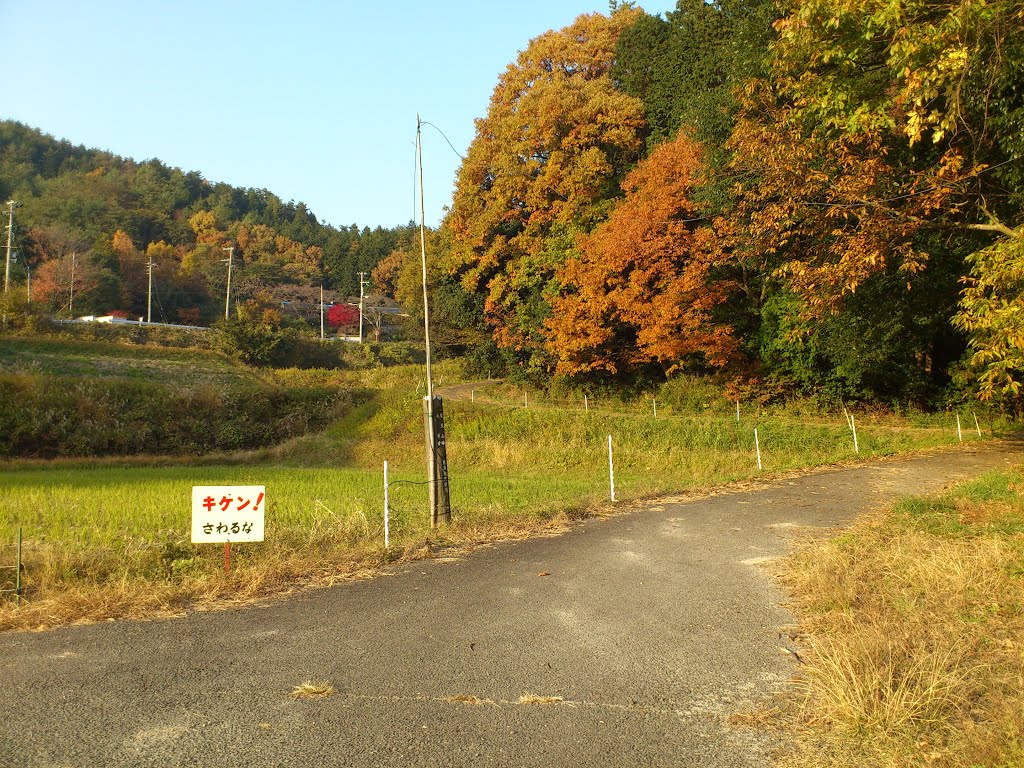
x: 104, y: 216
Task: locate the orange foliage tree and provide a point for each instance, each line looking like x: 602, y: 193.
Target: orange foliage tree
x: 640, y: 291
x: 556, y: 141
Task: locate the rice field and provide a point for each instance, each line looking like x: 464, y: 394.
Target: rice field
x: 515, y: 467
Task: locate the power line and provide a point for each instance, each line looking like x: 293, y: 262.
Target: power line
x: 460, y: 156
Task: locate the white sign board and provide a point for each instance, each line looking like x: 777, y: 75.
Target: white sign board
x: 222, y: 513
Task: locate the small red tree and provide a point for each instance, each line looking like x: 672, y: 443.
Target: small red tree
x: 342, y: 315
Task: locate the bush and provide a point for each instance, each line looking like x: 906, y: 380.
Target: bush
x: 48, y: 417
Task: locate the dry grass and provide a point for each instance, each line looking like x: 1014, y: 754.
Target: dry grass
x: 258, y: 572
x: 533, y: 698
x: 312, y: 690
x: 471, y: 700
x: 913, y: 638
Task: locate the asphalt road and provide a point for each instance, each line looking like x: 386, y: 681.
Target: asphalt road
x: 645, y: 631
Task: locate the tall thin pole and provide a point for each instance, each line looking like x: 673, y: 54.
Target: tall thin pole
x: 321, y: 310
x: 227, y: 295
x: 149, y: 294
x: 10, y: 232
x: 431, y: 469
x: 423, y: 257
x: 362, y: 284
x: 71, y: 298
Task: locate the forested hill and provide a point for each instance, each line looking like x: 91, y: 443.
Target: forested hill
x: 114, y: 212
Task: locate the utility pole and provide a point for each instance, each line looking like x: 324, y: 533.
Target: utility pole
x: 149, y: 293
x: 437, y: 459
x: 10, y: 232
x: 227, y: 296
x: 362, y: 285
x: 71, y: 298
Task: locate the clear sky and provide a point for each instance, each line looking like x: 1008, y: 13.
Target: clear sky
x: 314, y: 100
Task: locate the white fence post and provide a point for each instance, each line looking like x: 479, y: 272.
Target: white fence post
x: 387, y: 514
x: 611, y: 469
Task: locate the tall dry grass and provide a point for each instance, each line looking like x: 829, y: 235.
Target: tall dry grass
x: 913, y: 631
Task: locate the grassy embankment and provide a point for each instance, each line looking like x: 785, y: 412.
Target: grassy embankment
x: 110, y: 537
x: 913, y: 627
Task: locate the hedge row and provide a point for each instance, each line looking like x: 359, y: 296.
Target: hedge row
x: 48, y: 417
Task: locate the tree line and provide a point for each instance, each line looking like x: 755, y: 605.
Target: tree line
x: 89, y: 223
x: 819, y: 195
x: 799, y: 195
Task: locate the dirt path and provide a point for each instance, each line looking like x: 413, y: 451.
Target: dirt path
x: 628, y: 641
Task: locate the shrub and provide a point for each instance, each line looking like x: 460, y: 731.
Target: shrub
x: 48, y: 417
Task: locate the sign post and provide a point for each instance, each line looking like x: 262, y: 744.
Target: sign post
x: 227, y: 513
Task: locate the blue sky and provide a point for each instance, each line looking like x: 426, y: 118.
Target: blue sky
x: 315, y: 101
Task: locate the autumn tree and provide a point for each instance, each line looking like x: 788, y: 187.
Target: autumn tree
x: 640, y: 292
x: 342, y: 316
x: 554, y: 145
x: 867, y: 164
x: 385, y: 275
x: 72, y: 284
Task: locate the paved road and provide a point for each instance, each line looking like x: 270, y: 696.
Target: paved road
x: 650, y: 627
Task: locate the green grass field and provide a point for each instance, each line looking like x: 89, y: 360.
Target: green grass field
x: 89, y: 525
x: 54, y: 357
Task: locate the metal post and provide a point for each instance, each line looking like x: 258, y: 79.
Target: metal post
x: 227, y: 295
x: 853, y: 428
x: 977, y: 425
x: 959, y: 434
x: 321, y: 310
x: 757, y: 445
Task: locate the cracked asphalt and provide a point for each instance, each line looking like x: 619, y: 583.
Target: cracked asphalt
x: 628, y: 641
